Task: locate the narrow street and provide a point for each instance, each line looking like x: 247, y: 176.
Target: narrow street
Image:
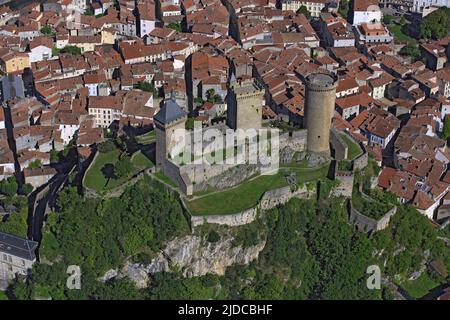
x: 48, y: 199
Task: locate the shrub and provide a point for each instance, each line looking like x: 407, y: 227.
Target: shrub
x: 105, y: 147
x: 27, y: 189
x: 213, y: 236
x: 124, y: 167
x: 9, y: 186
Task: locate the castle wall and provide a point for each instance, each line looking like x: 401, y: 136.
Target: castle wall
x: 366, y: 224
x: 361, y: 162
x: 269, y: 200
x: 345, y: 186
x: 172, y: 171
x: 338, y: 144
x: 296, y: 140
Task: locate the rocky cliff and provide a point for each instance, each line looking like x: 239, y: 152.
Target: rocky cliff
x: 193, y: 255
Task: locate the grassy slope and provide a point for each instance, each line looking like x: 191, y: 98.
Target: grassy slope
x: 247, y: 194
x: 94, y: 177
x: 420, y: 287
x: 353, y: 149
x: 399, y: 35
x: 146, y: 138
x: 141, y: 161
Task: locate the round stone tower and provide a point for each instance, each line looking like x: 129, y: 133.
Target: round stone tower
x: 319, y: 109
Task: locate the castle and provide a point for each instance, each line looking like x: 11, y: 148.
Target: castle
x: 319, y: 110
x: 245, y: 101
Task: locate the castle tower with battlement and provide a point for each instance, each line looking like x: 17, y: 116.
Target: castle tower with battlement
x: 245, y: 101
x: 319, y: 110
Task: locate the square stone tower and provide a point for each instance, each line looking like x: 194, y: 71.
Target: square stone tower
x: 245, y: 100
x: 170, y: 118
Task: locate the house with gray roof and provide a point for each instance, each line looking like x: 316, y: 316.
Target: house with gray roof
x: 17, y: 256
x: 12, y: 87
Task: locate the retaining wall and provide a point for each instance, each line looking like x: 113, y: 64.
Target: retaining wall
x: 269, y: 200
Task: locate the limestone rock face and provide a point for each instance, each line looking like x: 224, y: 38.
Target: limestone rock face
x: 197, y: 257
x: 193, y: 255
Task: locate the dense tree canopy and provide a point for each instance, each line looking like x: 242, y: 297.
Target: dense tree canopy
x: 16, y: 222
x: 98, y: 234
x: 124, y: 167
x: 445, y: 134
x: 311, y: 251
x: 436, y: 25
x: 411, y: 50
x: 9, y: 186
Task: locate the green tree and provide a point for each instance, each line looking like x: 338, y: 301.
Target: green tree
x: 210, y: 93
x: 436, y: 25
x: 124, y: 167
x: 47, y: 30
x: 117, y: 289
x: 303, y: 10
x: 99, y: 234
x: 16, y: 222
x: 27, y: 188
x: 37, y: 163
x: 172, y: 286
x: 445, y: 134
x: 198, y: 101
x: 73, y: 50
x: 213, y: 236
x: 106, y: 146
x: 411, y: 50
x: 55, y: 51
x: 9, y: 186
x: 89, y: 11
x: 148, y: 87
x: 387, y: 19
x: 54, y: 156
x: 175, y: 26
x: 343, y: 8
x: 21, y: 290
x: 190, y: 124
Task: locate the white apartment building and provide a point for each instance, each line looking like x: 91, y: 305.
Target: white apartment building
x: 314, y: 6
x: 419, y: 5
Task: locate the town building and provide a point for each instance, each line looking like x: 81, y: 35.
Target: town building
x: 17, y: 256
